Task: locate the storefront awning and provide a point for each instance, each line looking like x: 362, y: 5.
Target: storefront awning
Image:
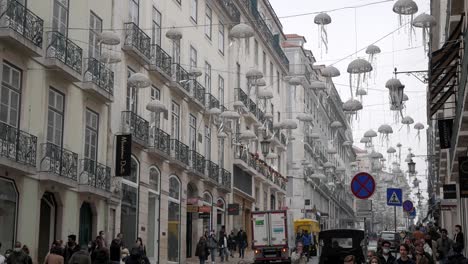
x: 443, y: 73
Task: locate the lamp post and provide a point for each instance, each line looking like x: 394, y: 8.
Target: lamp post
x: 411, y: 167
x: 265, y: 146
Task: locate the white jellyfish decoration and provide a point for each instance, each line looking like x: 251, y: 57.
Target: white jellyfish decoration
x: 385, y: 130
x: 335, y: 125
x: 407, y: 120
x: 304, y: 117
x: 391, y: 153
x: 358, y: 68
x: 351, y: 107
x: 372, y: 51
x: 238, y: 32
x: 288, y: 124
x: 395, y: 91
x: 174, y: 34
x: 139, y: 80
x: 405, y: 10
x: 330, y: 72
x: 370, y: 134
x: 418, y: 126
x: 295, y: 81
x: 322, y: 20
x: 318, y: 85
x: 425, y: 22
x: 361, y: 92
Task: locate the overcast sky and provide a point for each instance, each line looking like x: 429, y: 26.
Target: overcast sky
x: 364, y: 26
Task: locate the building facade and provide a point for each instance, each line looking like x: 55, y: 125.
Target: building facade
x: 67, y: 91
x: 318, y: 163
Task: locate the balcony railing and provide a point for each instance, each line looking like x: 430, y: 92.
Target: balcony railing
x: 231, y: 9
x: 160, y: 140
x: 213, y: 170
x: 211, y: 101
x: 97, y: 73
x: 63, y: 49
x: 198, y: 162
x: 225, y: 179
x: 17, y: 17
x: 17, y: 145
x: 199, y: 92
x: 95, y: 174
x: 180, y: 151
x: 59, y: 161
x: 136, y: 125
x: 138, y: 39
x: 181, y: 76
x: 161, y: 59
x: 242, y: 96
x: 252, y: 107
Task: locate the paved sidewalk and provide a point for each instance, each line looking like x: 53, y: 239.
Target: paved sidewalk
x: 247, y: 259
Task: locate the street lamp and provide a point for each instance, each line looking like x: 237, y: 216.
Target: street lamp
x: 411, y: 167
x: 265, y: 146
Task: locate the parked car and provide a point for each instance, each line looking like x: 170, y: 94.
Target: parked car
x: 392, y: 237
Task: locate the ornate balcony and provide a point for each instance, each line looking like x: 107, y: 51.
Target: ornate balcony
x: 225, y: 182
x: 180, y: 80
x: 98, y: 80
x: 159, y: 142
x: 180, y: 152
x: 95, y: 178
x: 64, y: 55
x: 137, y: 43
x: 137, y: 126
x: 199, y: 93
x: 211, y: 101
x: 230, y: 8
x: 160, y: 62
x: 17, y: 149
x: 212, y: 170
x: 21, y: 28
x: 59, y: 165
x: 242, y: 96
x: 197, y: 162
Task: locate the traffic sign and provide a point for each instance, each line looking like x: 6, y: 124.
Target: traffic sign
x: 412, y: 214
x: 363, y: 185
x: 394, y: 197
x: 408, y: 206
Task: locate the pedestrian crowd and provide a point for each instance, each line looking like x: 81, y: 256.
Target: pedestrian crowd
x: 224, y: 245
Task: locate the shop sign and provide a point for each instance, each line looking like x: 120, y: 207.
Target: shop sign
x: 123, y: 155
x: 204, y: 215
x: 204, y: 209
x: 233, y: 209
x: 447, y: 205
x: 450, y: 191
x: 445, y: 132
x: 324, y: 215
x: 192, y: 208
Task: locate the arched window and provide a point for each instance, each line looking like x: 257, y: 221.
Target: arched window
x: 129, y: 207
x: 208, y: 216
x: 154, y: 176
x: 8, y: 212
x: 220, y: 213
x: 152, y: 246
x: 173, y: 223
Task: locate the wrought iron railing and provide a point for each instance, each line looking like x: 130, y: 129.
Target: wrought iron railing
x: 161, y: 59
x: 95, y: 174
x: 136, y: 125
x: 211, y: 101
x: 252, y: 107
x: 212, y: 170
x: 242, y: 96
x: 180, y: 151
x: 306, y: 73
x: 63, y: 49
x: 225, y: 179
x: 59, y: 161
x: 198, y: 161
x: 181, y: 76
x: 231, y: 10
x: 160, y: 140
x: 261, y: 116
x: 137, y: 38
x: 283, y: 139
x: 17, y: 145
x: 199, y: 92
x: 97, y: 73
x: 16, y: 16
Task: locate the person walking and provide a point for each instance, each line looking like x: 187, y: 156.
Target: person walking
x: 71, y: 248
x: 306, y: 241
x: 458, y: 240
x: 386, y: 257
x: 115, y: 250
x: 80, y: 257
x: 243, y: 244
x: 223, y: 249
x: 103, y: 237
x: 212, y: 244
x: 444, y: 244
x: 202, y: 250
x: 232, y: 243
x: 404, y: 258
x: 26, y: 250
x: 420, y: 256
x: 18, y: 256
x: 298, y: 256
x: 374, y: 260
x: 55, y: 255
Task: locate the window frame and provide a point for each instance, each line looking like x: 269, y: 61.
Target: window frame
x: 176, y: 51
x: 12, y: 89
x: 221, y: 37
x: 208, y: 143
x: 194, y: 11
x: 193, y: 59
x: 93, y: 44
x: 134, y: 185
x: 56, y: 112
x: 256, y: 52
x: 193, y: 129
x: 131, y: 94
x: 221, y: 90
x: 96, y: 130
x: 15, y: 230
x: 137, y: 4
x: 175, y: 114
x: 208, y: 77
x: 67, y: 9
x: 156, y: 26
x: 208, y: 22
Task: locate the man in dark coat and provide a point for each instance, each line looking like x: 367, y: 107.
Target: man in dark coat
x: 458, y: 240
x: 71, y: 248
x: 18, y: 256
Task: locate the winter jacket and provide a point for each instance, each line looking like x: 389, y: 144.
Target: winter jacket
x: 53, y: 259
x: 307, y: 240
x: 201, y: 250
x: 70, y: 251
x: 115, y: 247
x: 18, y: 257
x: 80, y: 257
x: 100, y: 256
x: 297, y: 258
x: 390, y: 260
x: 409, y: 261
x: 212, y: 243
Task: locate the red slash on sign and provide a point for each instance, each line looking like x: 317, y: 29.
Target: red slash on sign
x: 363, y: 185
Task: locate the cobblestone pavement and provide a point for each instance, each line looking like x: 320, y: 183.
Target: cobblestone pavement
x: 247, y: 260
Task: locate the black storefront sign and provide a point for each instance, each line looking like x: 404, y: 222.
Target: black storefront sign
x: 450, y: 191
x: 307, y: 201
x: 123, y: 155
x: 233, y: 209
x: 204, y: 215
x: 463, y: 176
x: 445, y: 132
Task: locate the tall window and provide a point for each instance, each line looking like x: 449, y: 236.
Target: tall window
x: 264, y: 63
x: 221, y: 90
x: 193, y: 57
x: 153, y: 214
x: 208, y: 201
x: 55, y: 117
x: 176, y: 51
x: 8, y: 203
x: 60, y: 16
x: 175, y: 122
x: 129, y: 204
x: 132, y: 98
x: 221, y: 152
x: 256, y: 52
x: 193, y: 132
x: 91, y: 135
x: 278, y: 83
x: 207, y: 143
x: 156, y: 27
x: 208, y: 21
x: 95, y: 29
x: 134, y: 11
x: 221, y: 37
x: 10, y: 94
x: 271, y: 74
x: 207, y: 77
x: 173, y: 223
x: 155, y: 119
x: 194, y: 11
x: 238, y: 75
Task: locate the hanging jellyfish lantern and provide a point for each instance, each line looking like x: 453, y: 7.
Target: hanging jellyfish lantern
x: 350, y: 108
x: 361, y: 92
x: 405, y: 10
x: 265, y: 95
x: 335, y: 125
x: 370, y: 134
x: 330, y: 72
x: 395, y: 91
x: 372, y: 51
x: 322, y: 20
x: 358, y: 67
x: 304, y: 117
x: 295, y: 81
x: 425, y: 22
x: 174, y: 34
x: 407, y: 120
x: 391, y: 153
x: 418, y: 126
x: 318, y: 85
x: 240, y: 31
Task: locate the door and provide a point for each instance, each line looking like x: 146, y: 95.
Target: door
x: 152, y: 246
x: 260, y: 229
x: 86, y: 225
x: 46, y: 224
x: 278, y: 228
x: 189, y: 235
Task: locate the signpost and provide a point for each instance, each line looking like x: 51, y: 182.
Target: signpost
x: 363, y: 185
x: 394, y: 198
x: 408, y: 206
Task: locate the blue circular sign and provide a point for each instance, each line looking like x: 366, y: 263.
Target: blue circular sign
x: 408, y: 206
x: 363, y: 185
